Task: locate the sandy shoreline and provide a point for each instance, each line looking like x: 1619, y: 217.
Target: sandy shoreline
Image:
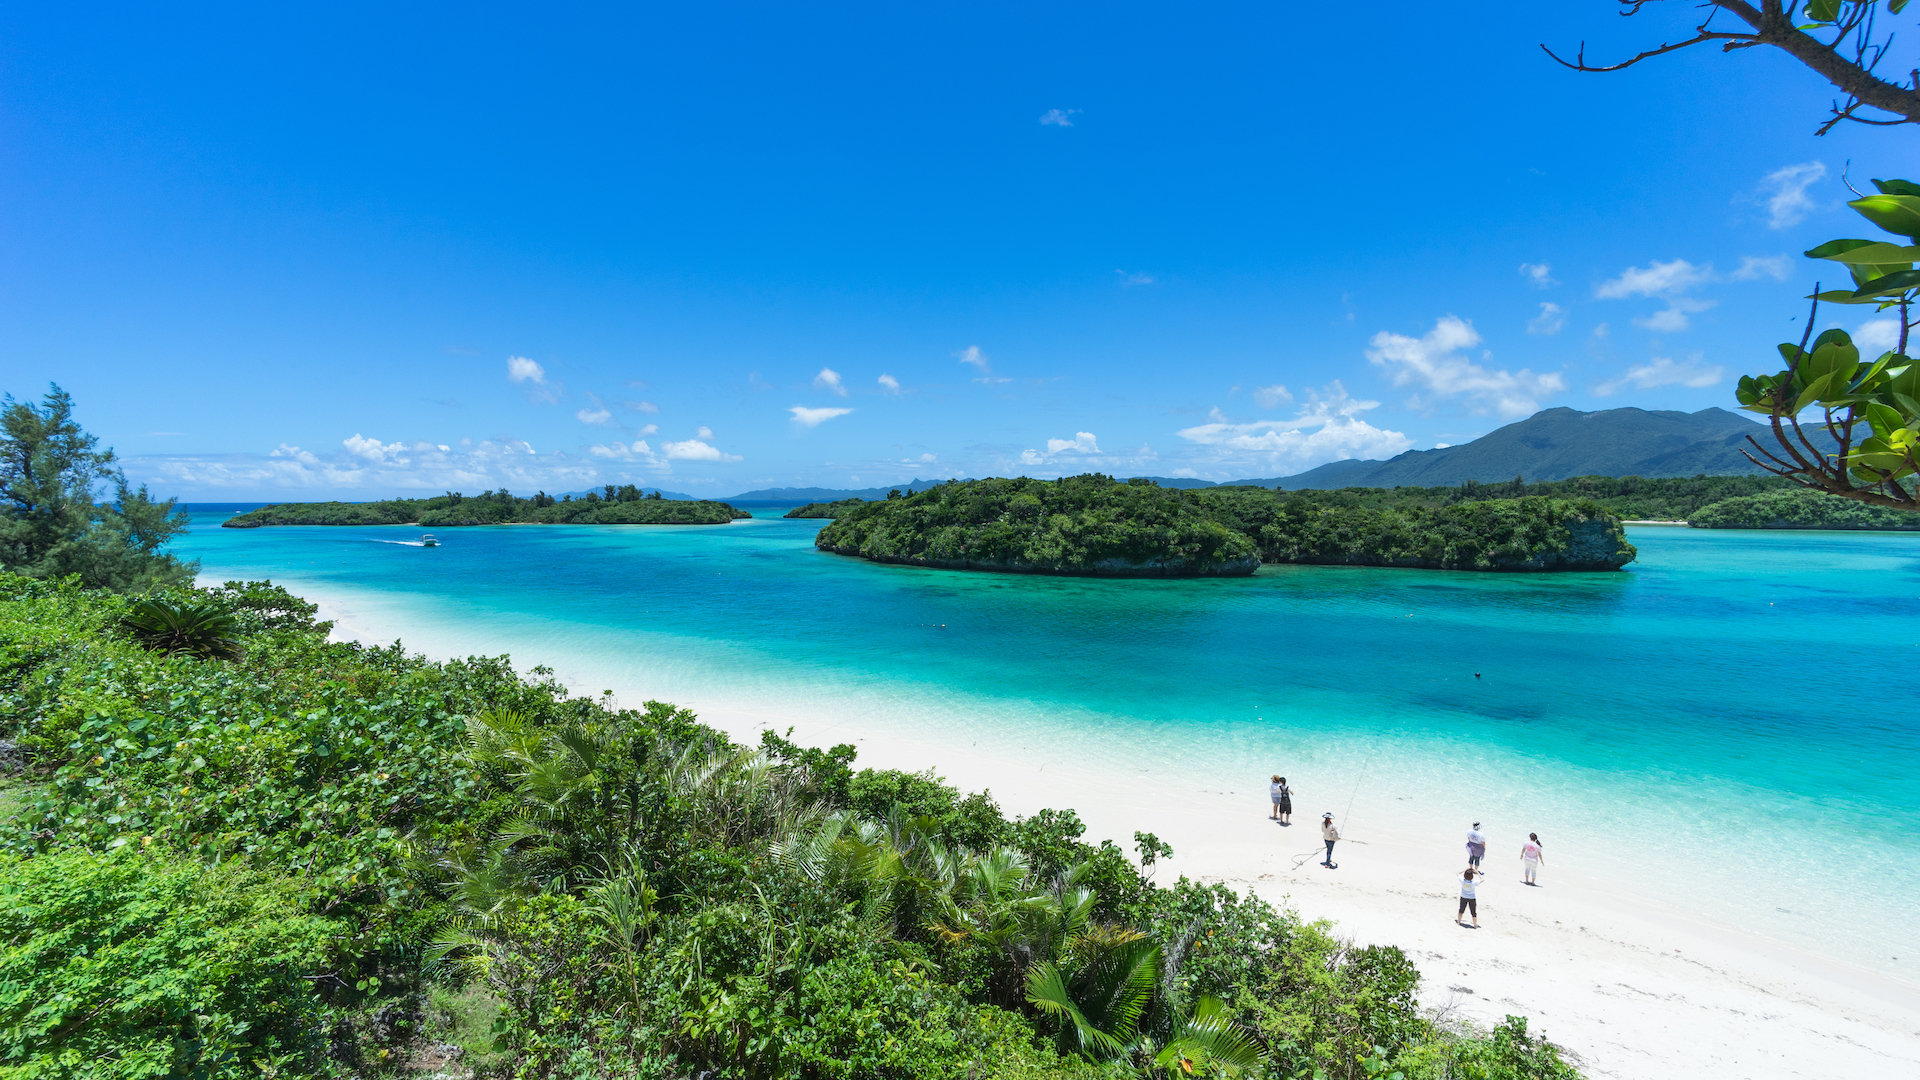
x: 1632, y: 987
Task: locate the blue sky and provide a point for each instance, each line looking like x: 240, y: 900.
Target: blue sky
x: 362, y: 251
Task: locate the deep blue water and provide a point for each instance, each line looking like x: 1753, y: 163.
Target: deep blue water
x: 1731, y: 704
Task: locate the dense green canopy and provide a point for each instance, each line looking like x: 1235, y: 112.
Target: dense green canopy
x: 1095, y: 525
x: 618, y: 506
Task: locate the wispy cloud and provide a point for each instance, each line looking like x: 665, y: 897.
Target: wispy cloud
x: 1784, y: 192
x: 1540, y: 274
x: 1059, y: 117
x: 1082, y: 444
x: 806, y: 417
x: 1658, y: 279
x: 1755, y: 267
x: 363, y: 465
x: 533, y: 377
x: 640, y: 406
x: 888, y: 383
x: 1664, y: 371
x: 972, y: 355
x: 696, y: 450
x: 1876, y: 336
x: 1432, y: 361
x: 1328, y: 428
x: 1269, y: 397
x: 1551, y: 318
x: 829, y: 379
x: 1666, y: 280
x: 1134, y: 278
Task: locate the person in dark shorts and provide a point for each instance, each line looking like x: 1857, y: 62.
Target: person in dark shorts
x: 1468, y: 902
x: 1330, y: 835
x: 1282, y: 800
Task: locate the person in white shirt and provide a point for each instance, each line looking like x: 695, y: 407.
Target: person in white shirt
x: 1531, y: 857
x: 1329, y: 834
x: 1468, y: 882
x: 1282, y: 800
x: 1476, y: 845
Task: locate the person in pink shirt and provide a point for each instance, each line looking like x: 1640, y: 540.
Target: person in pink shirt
x: 1531, y: 857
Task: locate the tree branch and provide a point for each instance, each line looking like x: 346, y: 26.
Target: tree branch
x: 1771, y: 25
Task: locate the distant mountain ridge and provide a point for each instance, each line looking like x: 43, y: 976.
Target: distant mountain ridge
x: 1555, y: 444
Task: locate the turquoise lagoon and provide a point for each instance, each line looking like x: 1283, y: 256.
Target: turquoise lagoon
x: 1729, y: 725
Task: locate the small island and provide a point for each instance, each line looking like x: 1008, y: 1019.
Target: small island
x: 617, y: 506
x: 1096, y: 526
x: 825, y: 509
x: 1802, y: 508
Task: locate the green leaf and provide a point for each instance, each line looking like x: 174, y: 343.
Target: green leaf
x: 1897, y: 187
x: 1836, y: 249
x: 1816, y: 389
x: 1895, y: 213
x: 1870, y: 251
x: 1824, y: 11
x: 1888, y: 285
x: 1841, y: 296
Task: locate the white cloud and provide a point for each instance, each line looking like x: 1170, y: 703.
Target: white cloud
x: 888, y: 383
x: 650, y: 429
x: 1328, y: 428
x: 1432, y: 362
x: 1785, y: 193
x: 703, y: 432
x: 1658, y: 279
x: 829, y: 379
x: 638, y: 450
x: 806, y: 417
x: 1082, y: 444
x: 1268, y: 397
x: 1135, y: 278
x: 522, y: 370
x: 929, y: 458
x: 1668, y: 280
x: 972, y: 355
x: 594, y: 416
x: 1551, y: 318
x: 695, y: 450
x: 370, y: 449
x: 640, y: 406
x: 1664, y: 371
x: 1876, y: 336
x: 1674, y: 318
x: 365, y: 466
x: 1541, y: 274
x: 1058, y: 117
x: 1755, y: 267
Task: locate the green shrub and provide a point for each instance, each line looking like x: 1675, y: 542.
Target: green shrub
x: 135, y: 965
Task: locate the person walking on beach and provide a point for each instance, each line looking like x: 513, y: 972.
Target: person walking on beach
x: 1282, y: 800
x: 1476, y: 845
x: 1531, y: 857
x: 1467, y: 900
x: 1330, y: 835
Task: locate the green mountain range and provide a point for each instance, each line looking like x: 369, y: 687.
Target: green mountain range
x: 1555, y: 444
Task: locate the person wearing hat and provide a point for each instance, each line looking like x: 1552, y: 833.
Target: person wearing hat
x: 1476, y: 845
x: 1329, y: 834
x: 1282, y: 799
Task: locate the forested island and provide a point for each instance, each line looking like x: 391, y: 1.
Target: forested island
x: 1094, y: 525
x: 1797, y: 507
x: 232, y: 848
x: 618, y: 505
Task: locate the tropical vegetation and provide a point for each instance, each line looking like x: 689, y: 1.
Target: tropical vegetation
x: 287, y: 856
x: 825, y: 509
x: 54, y: 520
x: 1870, y: 409
x: 1096, y: 525
x: 615, y: 505
x: 1800, y: 508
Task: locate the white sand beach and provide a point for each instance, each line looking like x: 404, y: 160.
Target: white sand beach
x: 1630, y: 986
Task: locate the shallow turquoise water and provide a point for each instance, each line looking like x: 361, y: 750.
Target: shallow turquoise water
x: 1732, y: 706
